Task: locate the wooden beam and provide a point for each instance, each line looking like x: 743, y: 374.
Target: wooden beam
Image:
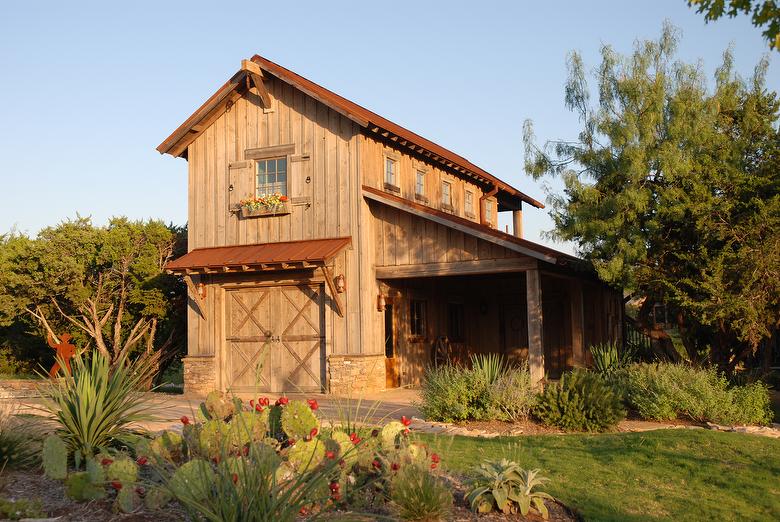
x: 517, y: 222
x: 196, y: 297
x: 333, y: 293
x: 533, y: 296
x: 477, y: 266
x: 577, y: 322
x: 251, y: 67
x: 261, y: 90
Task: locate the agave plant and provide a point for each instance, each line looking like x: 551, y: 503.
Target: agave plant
x: 608, y: 357
x: 504, y: 485
x: 490, y: 366
x: 98, y: 404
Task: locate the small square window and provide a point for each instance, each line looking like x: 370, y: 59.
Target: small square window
x: 419, y: 187
x: 271, y: 177
x: 489, y: 212
x: 455, y: 322
x: 468, y: 203
x: 417, y: 322
x: 391, y: 167
x: 446, y: 193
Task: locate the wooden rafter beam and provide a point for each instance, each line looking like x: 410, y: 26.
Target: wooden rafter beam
x: 332, y: 289
x: 196, y: 297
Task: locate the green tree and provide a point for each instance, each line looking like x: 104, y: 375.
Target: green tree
x: 672, y: 190
x: 105, y: 285
x: 762, y: 13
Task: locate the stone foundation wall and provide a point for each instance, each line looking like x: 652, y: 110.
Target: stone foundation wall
x: 199, y: 374
x: 18, y: 388
x: 354, y: 374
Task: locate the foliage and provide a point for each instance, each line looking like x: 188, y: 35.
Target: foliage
x: 489, y: 366
x: 672, y: 191
x: 264, y: 201
x: 81, y: 487
x: 488, y: 390
x: 667, y: 391
x: 608, y: 357
x: 97, y: 405
x: 762, y: 13
x: 19, y: 441
x: 418, y: 494
x: 21, y: 509
x: 504, y: 485
x: 55, y: 457
x: 104, y: 284
x: 691, y: 475
x: 580, y: 401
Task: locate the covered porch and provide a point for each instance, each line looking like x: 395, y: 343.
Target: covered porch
x: 520, y: 308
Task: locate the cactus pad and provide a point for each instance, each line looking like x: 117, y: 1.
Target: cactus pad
x: 193, y: 480
x: 390, y: 434
x: 217, y: 407
x: 80, y: 487
x: 298, y: 420
x: 95, y: 471
x: 305, y: 455
x: 127, y: 500
x: 246, y: 427
x: 168, y: 446
x: 157, y: 498
x: 55, y: 457
x: 123, y: 469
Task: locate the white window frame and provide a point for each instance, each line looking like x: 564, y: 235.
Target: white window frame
x: 419, y: 174
x: 489, y: 212
x: 468, y: 206
x: 446, y: 203
x: 277, y: 187
x: 392, y: 185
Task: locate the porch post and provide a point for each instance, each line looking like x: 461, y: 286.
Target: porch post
x: 517, y: 222
x: 577, y: 320
x: 533, y: 292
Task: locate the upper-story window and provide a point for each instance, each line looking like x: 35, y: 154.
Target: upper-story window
x: 271, y: 176
x: 419, y: 185
x: 468, y: 203
x: 446, y: 194
x: 489, y: 212
x: 391, y: 171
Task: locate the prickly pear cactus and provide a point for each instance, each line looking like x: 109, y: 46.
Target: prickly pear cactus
x: 342, y: 447
x: 217, y: 407
x: 389, y: 436
x: 123, y: 469
x: 168, y: 446
x: 127, y: 500
x: 211, y: 438
x: 55, y: 457
x: 304, y: 455
x: 193, y: 480
x: 80, y: 487
x: 298, y: 420
x: 157, y: 498
x: 95, y: 471
x: 246, y: 427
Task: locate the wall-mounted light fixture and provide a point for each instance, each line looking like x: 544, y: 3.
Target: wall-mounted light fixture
x: 380, y: 303
x: 202, y: 290
x: 341, y: 283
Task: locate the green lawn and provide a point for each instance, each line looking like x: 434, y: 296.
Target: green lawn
x: 664, y: 474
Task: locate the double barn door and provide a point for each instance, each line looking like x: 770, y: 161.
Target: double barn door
x: 275, y: 338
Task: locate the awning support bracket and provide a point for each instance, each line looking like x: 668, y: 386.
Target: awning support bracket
x: 332, y: 288
x: 200, y: 302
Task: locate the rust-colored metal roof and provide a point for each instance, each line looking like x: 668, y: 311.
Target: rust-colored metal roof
x: 362, y: 116
x: 524, y: 246
x: 264, y: 256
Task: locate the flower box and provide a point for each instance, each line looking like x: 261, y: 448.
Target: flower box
x: 265, y: 210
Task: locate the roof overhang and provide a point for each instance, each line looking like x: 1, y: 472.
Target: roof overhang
x: 516, y: 244
x: 253, y: 71
x: 263, y: 257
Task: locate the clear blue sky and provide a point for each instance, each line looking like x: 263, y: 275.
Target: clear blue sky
x: 89, y: 89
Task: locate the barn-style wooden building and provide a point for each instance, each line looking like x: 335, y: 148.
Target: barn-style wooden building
x: 378, y: 256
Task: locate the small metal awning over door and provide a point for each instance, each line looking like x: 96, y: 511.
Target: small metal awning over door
x: 285, y: 255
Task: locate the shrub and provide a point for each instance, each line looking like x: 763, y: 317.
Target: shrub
x: 417, y: 494
x: 504, y: 485
x: 97, y: 405
x: 608, y: 357
x: 447, y: 394
x: 581, y: 401
x: 513, y: 394
x: 668, y: 391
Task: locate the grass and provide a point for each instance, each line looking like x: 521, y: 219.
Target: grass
x: 681, y: 474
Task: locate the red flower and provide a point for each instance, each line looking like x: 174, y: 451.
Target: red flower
x: 313, y: 432
x: 141, y: 461
x: 330, y: 455
x: 313, y: 404
x: 235, y: 478
x: 246, y: 450
x: 251, y: 403
x: 282, y: 198
x: 264, y: 401
x: 405, y: 421
x: 282, y: 401
x: 435, y: 458
x: 394, y: 466
x: 433, y: 466
x: 258, y: 408
x: 106, y: 462
x: 354, y: 438
x: 185, y: 420
x: 376, y: 464
x: 116, y: 485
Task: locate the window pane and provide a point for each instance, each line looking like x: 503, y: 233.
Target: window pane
x: 281, y: 165
x: 271, y: 165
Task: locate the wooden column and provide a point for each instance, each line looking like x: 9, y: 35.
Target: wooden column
x: 533, y: 293
x: 577, y: 321
x: 517, y: 222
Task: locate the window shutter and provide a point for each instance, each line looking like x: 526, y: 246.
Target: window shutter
x: 242, y: 182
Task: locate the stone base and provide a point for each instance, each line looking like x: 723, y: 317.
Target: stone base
x: 355, y: 374
x: 199, y: 374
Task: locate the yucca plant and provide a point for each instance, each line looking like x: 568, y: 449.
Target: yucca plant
x: 504, y: 485
x: 490, y: 366
x: 98, y: 405
x: 418, y: 494
x: 608, y: 357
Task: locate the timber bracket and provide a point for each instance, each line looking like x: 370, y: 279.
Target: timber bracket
x: 198, y: 299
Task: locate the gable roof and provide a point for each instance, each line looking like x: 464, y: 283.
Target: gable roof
x: 371, y: 123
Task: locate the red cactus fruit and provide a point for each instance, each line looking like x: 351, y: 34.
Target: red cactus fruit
x: 435, y: 458
x: 434, y: 465
x: 140, y: 490
x: 330, y: 455
x: 376, y: 464
x: 405, y: 421
x: 185, y: 420
x: 313, y: 404
x: 264, y: 401
x: 258, y: 408
x: 141, y: 461
x: 394, y: 466
x: 235, y: 478
x: 116, y: 485
x: 313, y: 432
x: 251, y: 403
x: 282, y: 401
x: 106, y: 462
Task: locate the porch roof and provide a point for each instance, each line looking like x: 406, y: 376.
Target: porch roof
x: 286, y: 255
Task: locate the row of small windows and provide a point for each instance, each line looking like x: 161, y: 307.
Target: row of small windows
x: 391, y: 178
